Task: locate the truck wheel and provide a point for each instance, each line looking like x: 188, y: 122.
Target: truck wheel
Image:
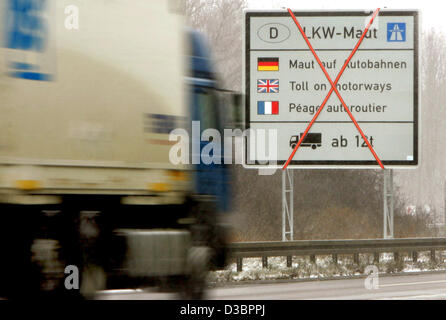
x: 313, y: 146
x: 293, y: 146
x: 32, y: 268
x: 194, y: 286
x: 93, y: 279
x: 45, y: 257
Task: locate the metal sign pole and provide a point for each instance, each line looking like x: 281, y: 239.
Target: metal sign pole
x: 388, y: 204
x: 287, y: 205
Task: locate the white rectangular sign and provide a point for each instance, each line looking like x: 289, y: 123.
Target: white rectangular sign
x: 285, y: 86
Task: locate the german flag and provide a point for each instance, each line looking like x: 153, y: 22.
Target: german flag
x: 268, y: 64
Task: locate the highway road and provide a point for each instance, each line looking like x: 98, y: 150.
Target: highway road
x: 425, y: 286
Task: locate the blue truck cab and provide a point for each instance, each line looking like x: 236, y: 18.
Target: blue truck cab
x: 207, y: 108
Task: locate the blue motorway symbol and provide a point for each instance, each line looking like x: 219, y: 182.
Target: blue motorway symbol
x: 396, y: 32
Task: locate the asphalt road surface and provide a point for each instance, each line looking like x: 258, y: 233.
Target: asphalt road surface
x: 426, y: 286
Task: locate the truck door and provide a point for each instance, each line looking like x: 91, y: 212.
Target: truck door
x: 210, y: 179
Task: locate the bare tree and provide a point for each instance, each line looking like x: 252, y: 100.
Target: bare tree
x: 221, y: 22
x: 425, y: 185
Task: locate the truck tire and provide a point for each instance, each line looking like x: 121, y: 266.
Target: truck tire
x: 93, y: 279
x: 194, y: 286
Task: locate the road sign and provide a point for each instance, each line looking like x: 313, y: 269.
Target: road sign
x: 285, y: 86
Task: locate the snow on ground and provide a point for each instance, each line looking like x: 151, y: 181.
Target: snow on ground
x: 303, y: 268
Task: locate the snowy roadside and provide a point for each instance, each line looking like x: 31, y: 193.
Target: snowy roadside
x: 324, y: 268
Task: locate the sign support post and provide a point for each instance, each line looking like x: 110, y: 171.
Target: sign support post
x: 388, y: 204
x: 287, y: 205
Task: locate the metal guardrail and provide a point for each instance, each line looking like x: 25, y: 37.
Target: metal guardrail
x: 240, y: 250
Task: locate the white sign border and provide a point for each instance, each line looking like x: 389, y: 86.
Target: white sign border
x: 335, y: 164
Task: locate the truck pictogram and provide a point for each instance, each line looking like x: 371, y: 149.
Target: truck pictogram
x: 312, y: 140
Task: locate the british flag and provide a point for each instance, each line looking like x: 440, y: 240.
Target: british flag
x: 268, y: 85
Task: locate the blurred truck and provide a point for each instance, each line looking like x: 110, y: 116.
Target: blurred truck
x: 89, y: 92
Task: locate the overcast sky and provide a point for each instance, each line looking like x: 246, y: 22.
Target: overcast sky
x: 432, y: 12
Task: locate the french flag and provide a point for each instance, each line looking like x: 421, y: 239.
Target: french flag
x: 267, y: 107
